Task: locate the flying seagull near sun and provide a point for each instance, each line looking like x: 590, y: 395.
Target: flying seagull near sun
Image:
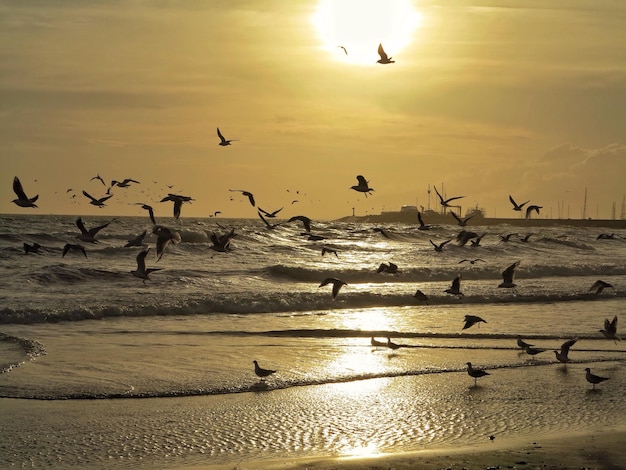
x: 344, y: 49
x: 363, y: 186
x: 97, y: 202
x: 22, y: 199
x: 383, y: 56
x: 223, y: 141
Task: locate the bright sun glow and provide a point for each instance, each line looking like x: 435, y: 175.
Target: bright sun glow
x: 360, y: 25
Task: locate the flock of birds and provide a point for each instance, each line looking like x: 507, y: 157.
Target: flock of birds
x: 221, y: 243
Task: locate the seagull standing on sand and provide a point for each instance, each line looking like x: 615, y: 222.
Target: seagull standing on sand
x: 384, y: 59
x: 599, y: 286
x: 610, y: 329
x: 223, y: 141
x: 262, y: 373
x: 363, y: 186
x: 337, y: 284
x: 561, y: 355
x: 507, y: 276
x: 455, y: 287
x: 534, y: 351
x: 471, y: 320
x: 593, y: 379
x: 141, y: 271
x: 475, y: 373
x: 374, y: 342
x: 22, y: 199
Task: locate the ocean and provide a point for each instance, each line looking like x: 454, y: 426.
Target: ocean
x: 102, y: 369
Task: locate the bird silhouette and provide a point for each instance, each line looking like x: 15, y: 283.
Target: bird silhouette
x: 471, y: 320
x: 22, y: 199
x: 337, y: 285
x: 475, y: 373
x: 517, y: 207
x: 262, y: 373
x: 223, y: 141
x: 610, y: 329
x: 593, y: 379
x: 384, y: 59
x: 507, y: 276
x: 363, y: 186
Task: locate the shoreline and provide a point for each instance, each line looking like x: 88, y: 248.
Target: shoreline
x: 600, y: 450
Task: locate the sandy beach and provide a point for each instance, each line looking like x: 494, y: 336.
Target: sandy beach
x: 598, y: 450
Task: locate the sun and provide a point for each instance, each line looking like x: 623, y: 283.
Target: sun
x: 352, y: 29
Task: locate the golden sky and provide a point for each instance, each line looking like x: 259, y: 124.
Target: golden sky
x: 487, y: 97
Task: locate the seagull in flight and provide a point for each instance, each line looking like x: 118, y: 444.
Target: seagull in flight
x: 363, y: 186
x: 248, y: 194
x: 476, y: 241
x: 455, y: 287
x: 461, y: 222
x: 384, y: 59
x: 270, y: 214
x: 523, y: 344
x: 507, y: 276
x: 439, y: 247
x: 137, y: 241
x: 223, y: 141
x: 262, y: 373
x: 123, y: 184
x: 517, y: 207
x: 221, y: 243
x: 88, y: 235
x: 507, y: 237
x: 72, y: 247
x: 471, y: 320
x: 344, y: 49
x: 97, y: 202
x: 34, y: 248
x: 422, y: 226
x: 419, y: 295
x: 446, y: 202
x: 306, y: 222
x: 329, y: 250
x: 561, y: 355
x: 164, y: 237
x: 475, y: 373
x: 599, y: 286
x: 472, y: 261
x: 337, y: 284
x: 391, y: 268
x: 22, y: 199
x: 142, y: 272
x: 530, y: 209
x: 98, y: 177
x: 178, y: 200
x: 150, y: 211
x: 610, y: 329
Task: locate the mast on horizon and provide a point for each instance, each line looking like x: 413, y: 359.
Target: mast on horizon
x: 585, y: 205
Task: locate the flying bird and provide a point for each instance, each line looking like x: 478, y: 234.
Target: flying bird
x: 329, y: 250
x: 271, y: 214
x: 88, y: 235
x: 475, y: 373
x: 363, y: 186
x: 97, y: 202
x: 507, y: 237
x: 223, y: 141
x: 306, y: 222
x: 123, y: 184
x: 221, y: 243
x: 599, y: 286
x: 593, y: 379
x: 561, y: 355
x: 390, y: 268
x: 337, y: 284
x: 344, y: 49
x: 34, y: 248
x: 439, y: 247
x: 22, y: 199
x: 72, y: 247
x: 419, y: 295
x: 446, y: 202
x: 461, y: 221
x: 517, y: 207
x: 164, y: 237
x: 150, y: 211
x: 422, y: 226
x: 530, y: 209
x: 455, y: 287
x: 142, y: 272
x: 507, y: 276
x: 472, y: 261
x: 526, y: 238
x: 248, y: 194
x: 98, y: 177
x: 137, y: 241
x: 610, y: 329
x: 476, y: 241
x: 262, y: 373
x: 471, y: 320
x: 178, y: 200
x: 384, y: 59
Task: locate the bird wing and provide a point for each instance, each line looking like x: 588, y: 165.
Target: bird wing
x: 382, y: 53
x: 80, y: 225
x: 219, y: 134
x: 362, y: 181
x: 250, y: 197
x: 567, y: 344
x: 440, y: 198
x: 141, y: 260
x: 18, y: 189
x: 513, y: 201
x: 456, y: 217
x: 177, y: 205
x: 509, y: 272
x: 456, y: 283
x: 453, y: 198
x: 95, y: 230
x: 85, y: 193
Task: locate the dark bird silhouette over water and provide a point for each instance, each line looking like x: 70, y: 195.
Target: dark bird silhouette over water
x: 271, y: 214
x: 22, y: 199
x: 507, y: 276
x: 306, y: 222
x: 137, y: 241
x: 142, y: 272
x: 337, y: 284
x: 593, y: 379
x: 517, y: 207
x: 461, y: 221
x: 248, y: 194
x: 471, y: 320
x: 455, y: 287
x: 34, y: 248
x: 392, y: 345
x: 476, y: 241
x: 599, y: 286
x: 422, y: 226
x: 384, y: 59
x: 610, y: 329
x: 88, y: 235
x: 530, y: 209
x: 164, y: 237
x: 523, y: 344
x: 419, y: 295
x: 363, y: 186
x: 507, y: 237
x: 223, y: 141
x: 150, y: 211
x: 71, y: 247
x: 123, y: 184
x: 439, y: 247
x: 607, y: 236
x: 390, y: 268
x: 262, y: 373
x: 472, y: 261
x: 475, y: 373
x: 329, y: 250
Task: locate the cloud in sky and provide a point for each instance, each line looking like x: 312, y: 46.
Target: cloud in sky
x: 490, y: 98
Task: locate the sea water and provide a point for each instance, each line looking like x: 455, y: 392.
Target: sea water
x: 144, y: 374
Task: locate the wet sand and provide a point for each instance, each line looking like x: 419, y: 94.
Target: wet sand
x: 598, y: 450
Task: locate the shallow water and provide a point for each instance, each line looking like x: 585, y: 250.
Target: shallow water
x: 105, y: 371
